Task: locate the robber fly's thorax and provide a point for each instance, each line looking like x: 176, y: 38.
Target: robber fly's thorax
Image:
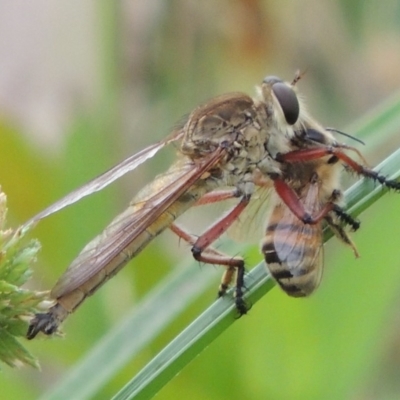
x: 233, y: 122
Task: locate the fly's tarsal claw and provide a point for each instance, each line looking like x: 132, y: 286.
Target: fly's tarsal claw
x: 391, y: 184
x: 241, y: 307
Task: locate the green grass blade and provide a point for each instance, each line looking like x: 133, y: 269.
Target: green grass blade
x: 207, y: 327
x: 194, y: 339
x: 162, y: 305
x: 378, y: 126
x: 219, y: 316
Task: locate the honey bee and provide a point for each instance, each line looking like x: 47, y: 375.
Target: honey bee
x: 293, y: 250
x: 307, y: 194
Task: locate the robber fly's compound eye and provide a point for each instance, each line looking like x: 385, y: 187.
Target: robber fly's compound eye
x: 287, y: 98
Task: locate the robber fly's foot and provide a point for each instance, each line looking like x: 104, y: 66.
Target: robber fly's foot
x: 391, y: 184
x: 241, y: 306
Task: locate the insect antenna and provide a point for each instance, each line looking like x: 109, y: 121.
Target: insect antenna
x: 345, y: 134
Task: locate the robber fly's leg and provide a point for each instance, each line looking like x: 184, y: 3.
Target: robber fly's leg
x: 292, y: 201
x: 219, y: 227
x: 304, y: 155
x: 212, y: 234
x: 203, y: 253
x: 219, y: 195
x: 290, y: 198
x: 212, y: 256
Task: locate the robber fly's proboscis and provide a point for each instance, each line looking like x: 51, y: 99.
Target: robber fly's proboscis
x: 228, y: 148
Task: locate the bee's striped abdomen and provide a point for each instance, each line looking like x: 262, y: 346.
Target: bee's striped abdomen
x: 292, y: 252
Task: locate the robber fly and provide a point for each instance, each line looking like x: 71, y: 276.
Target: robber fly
x: 221, y: 144
x: 228, y: 147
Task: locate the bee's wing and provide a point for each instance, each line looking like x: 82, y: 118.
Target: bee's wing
x: 106, y: 178
x: 293, y: 250
x: 248, y: 228
x: 125, y: 229
x: 297, y: 245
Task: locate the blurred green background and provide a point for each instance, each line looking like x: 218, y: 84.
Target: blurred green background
x: 85, y: 84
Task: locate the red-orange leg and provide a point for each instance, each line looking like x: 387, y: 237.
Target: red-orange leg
x: 220, y: 227
x: 289, y: 197
x: 218, y: 195
x: 212, y: 256
x: 212, y: 234
x: 304, y: 155
x: 231, y: 264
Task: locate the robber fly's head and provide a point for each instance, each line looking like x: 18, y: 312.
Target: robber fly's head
x: 290, y: 114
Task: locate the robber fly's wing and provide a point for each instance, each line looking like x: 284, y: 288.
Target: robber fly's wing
x: 106, y: 178
x: 112, y: 243
x: 249, y: 227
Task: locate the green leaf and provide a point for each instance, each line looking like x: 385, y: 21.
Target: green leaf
x: 12, y: 352
x: 218, y: 317
x: 16, y: 304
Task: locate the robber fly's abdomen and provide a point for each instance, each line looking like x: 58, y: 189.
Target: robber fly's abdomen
x: 123, y: 239
x: 71, y: 299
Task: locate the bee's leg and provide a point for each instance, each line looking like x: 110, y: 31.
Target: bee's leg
x: 341, y: 213
x: 304, y: 155
x: 341, y: 233
x: 345, y: 217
